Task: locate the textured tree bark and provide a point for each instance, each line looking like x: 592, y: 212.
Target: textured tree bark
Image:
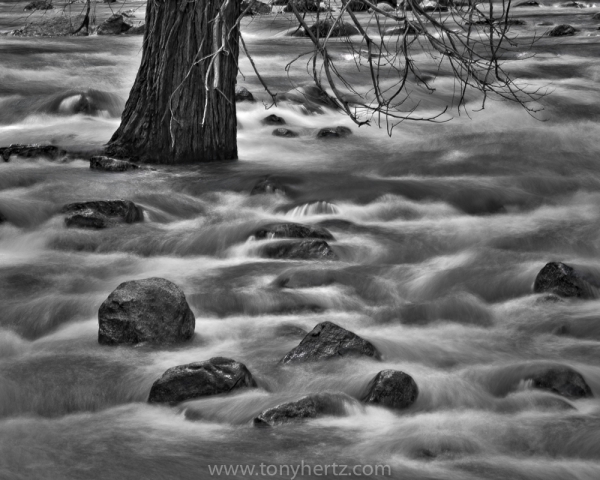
x: 181, y: 108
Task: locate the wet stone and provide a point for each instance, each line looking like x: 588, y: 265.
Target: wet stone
x: 108, y: 164
x: 101, y: 214
x: 292, y: 230
x: 334, y: 132
x: 284, y: 132
x: 273, y: 120
x: 393, y: 389
x: 304, y: 250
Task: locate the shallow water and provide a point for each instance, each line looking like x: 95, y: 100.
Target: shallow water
x: 440, y: 231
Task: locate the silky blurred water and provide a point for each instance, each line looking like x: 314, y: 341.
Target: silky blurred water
x: 440, y: 231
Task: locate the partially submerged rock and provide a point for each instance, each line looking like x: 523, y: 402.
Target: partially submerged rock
x: 254, y: 7
x: 55, y: 25
x: 49, y: 152
x: 325, y: 28
x: 201, y: 379
x: 243, y: 95
x: 102, y: 214
x: 528, y: 3
x: 273, y: 120
x: 334, y: 132
x: 328, y: 340
x: 114, y: 25
x: 267, y: 185
x: 301, y: 5
x: 565, y: 281
x: 310, y: 406
x: 311, y: 97
x: 562, y: 381
x: 108, y: 164
x: 573, y: 5
x: 411, y: 29
x: 284, y: 132
x: 393, y: 389
x: 152, y: 310
x: 562, y: 30
x: 312, y: 249
x: 38, y: 5
x: 292, y: 230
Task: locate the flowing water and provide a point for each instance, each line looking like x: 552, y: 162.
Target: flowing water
x: 440, y: 231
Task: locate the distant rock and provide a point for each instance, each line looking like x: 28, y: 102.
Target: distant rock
x: 328, y: 340
x: 573, y: 5
x: 114, y: 25
x: 101, y: 214
x: 311, y: 97
x: 55, y: 25
x: 301, y: 5
x: 108, y: 164
x: 596, y: 16
x: 38, y: 5
x: 267, y: 185
x: 562, y: 30
x: 562, y: 381
x: 310, y: 406
x: 393, y: 389
x: 292, y: 230
x: 334, y: 132
x: 529, y: 3
x: 565, y: 281
x: 137, y: 30
x: 243, y: 95
x: 254, y: 7
x: 273, y: 120
x: 151, y: 310
x: 303, y: 250
x: 284, y: 132
x: 324, y: 28
x: 49, y: 152
x: 357, y: 6
x: 201, y: 379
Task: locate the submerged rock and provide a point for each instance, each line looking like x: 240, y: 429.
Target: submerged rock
x: 102, y: 214
x: 561, y: 31
x: 573, y: 5
x: 311, y: 97
x: 305, y: 250
x: 273, y: 120
x: 334, y: 132
x: 324, y: 28
x: 562, y: 381
x: 393, y: 389
x: 284, y: 132
x: 201, y: 379
x: 58, y: 25
x: 528, y: 3
x: 267, y: 185
x: 310, y: 406
x: 243, y: 95
x: 254, y: 7
x: 114, y: 25
x: 328, y: 340
x: 38, y: 5
x: 565, y: 281
x: 49, y: 152
x: 108, y: 164
x: 292, y: 230
x: 150, y: 310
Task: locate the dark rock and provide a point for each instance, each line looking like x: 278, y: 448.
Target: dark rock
x: 292, y: 230
x: 38, y: 5
x: 114, y: 25
x: 357, y: 6
x: 2, y: 218
x: 393, y: 389
x: 565, y: 281
x: 49, y: 152
x: 573, y: 5
x: 310, y: 406
x: 562, y: 381
x: 268, y: 186
x: 529, y: 3
x: 431, y: 6
x: 384, y: 7
x: 311, y: 97
x: 273, y: 120
x: 337, y: 132
x: 284, y: 132
x: 51, y: 26
x: 243, y: 95
x: 328, y: 340
x: 324, y: 28
x: 137, y: 30
x: 200, y: 379
x: 561, y: 31
x: 301, y: 5
x: 101, y: 214
x: 254, y: 7
x: 111, y: 164
x: 596, y: 16
x: 303, y: 250
x: 150, y: 310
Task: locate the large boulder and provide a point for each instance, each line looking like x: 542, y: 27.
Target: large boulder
x: 292, y: 230
x: 108, y: 164
x: 310, y: 406
x: 324, y: 28
x: 311, y: 249
x: 101, y: 214
x: 562, y: 30
x: 48, y: 152
x: 151, y: 310
x: 393, y: 389
x: 38, y: 5
x: 562, y: 381
x: 201, y: 379
x: 114, y: 25
x: 328, y: 340
x: 565, y: 281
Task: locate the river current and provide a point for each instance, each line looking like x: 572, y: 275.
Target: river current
x: 440, y: 231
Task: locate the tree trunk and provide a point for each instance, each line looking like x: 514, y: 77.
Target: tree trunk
x: 181, y: 108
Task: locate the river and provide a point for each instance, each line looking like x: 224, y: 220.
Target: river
x: 440, y: 231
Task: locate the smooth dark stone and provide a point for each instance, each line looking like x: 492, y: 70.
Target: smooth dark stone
x: 243, y: 95
x: 562, y: 381
x: 151, y: 310
x: 328, y: 340
x: 565, y: 281
x: 335, y: 132
x: 284, y: 132
x: 201, y: 379
x: 393, y: 389
x: 562, y: 30
x: 292, y: 230
x: 49, y: 152
x: 303, y: 250
x: 108, y: 164
x: 273, y: 120
x: 102, y: 214
x: 310, y: 406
